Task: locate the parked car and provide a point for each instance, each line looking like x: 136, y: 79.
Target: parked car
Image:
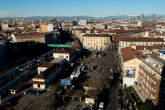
x: 33, y: 92
x: 58, y: 101
x: 101, y: 106
x: 10, y: 102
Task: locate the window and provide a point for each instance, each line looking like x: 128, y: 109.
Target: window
x: 38, y: 85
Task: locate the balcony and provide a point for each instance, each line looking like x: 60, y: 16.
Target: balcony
x: 139, y: 93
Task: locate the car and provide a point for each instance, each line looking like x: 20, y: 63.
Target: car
x: 78, y: 60
x: 33, y: 92
x: 101, y: 106
x: 36, y: 93
x: 10, y: 102
x: 27, y: 92
x: 57, y: 101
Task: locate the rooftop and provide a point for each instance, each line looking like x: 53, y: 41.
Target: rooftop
x: 96, y: 35
x: 128, y: 53
x: 64, y: 50
x: 47, y: 72
x: 155, y: 63
x: 150, y: 47
x: 159, y: 33
x: 47, y: 65
x: 141, y: 39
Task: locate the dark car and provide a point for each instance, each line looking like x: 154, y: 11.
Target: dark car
x: 57, y: 101
x: 10, y: 102
x: 33, y: 92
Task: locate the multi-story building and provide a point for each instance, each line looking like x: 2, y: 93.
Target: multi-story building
x: 140, y: 23
x: 28, y: 37
x: 151, y: 81
x: 130, y: 65
x: 159, y: 35
x: 5, y: 27
x: 78, y: 32
x: 96, y: 41
x: 35, y: 37
x: 66, y: 23
x: 140, y: 41
x: 160, y: 28
x: 82, y: 22
x: 45, y: 28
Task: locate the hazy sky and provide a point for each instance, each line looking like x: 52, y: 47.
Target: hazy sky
x: 80, y: 7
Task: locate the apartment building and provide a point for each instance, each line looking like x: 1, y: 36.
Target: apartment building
x: 45, y: 28
x: 159, y: 35
x: 151, y: 81
x: 35, y: 37
x: 140, y: 41
x: 78, y: 32
x: 82, y: 22
x: 5, y: 27
x: 67, y: 23
x: 96, y: 41
x: 130, y: 65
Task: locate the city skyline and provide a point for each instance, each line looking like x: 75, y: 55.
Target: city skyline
x: 96, y: 8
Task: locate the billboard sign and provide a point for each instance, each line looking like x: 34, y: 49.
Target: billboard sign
x: 129, y: 72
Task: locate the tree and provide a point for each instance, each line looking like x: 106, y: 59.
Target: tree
x: 146, y: 106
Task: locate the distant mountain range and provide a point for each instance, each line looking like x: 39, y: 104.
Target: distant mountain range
x: 153, y: 16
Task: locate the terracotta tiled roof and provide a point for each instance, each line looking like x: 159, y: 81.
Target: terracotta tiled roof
x: 141, y: 39
x: 96, y: 35
x: 47, y: 72
x: 128, y: 53
x: 29, y: 34
x: 36, y: 82
x: 159, y: 34
x: 153, y: 54
x: 64, y: 50
x: 150, y: 47
x: 47, y: 65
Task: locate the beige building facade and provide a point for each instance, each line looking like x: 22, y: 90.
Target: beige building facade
x: 130, y: 66
x: 150, y: 84
x: 96, y: 41
x: 43, y: 28
x: 131, y: 71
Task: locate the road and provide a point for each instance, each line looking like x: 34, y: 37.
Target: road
x: 115, y: 84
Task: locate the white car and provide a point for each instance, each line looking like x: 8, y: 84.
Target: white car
x: 101, y: 106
